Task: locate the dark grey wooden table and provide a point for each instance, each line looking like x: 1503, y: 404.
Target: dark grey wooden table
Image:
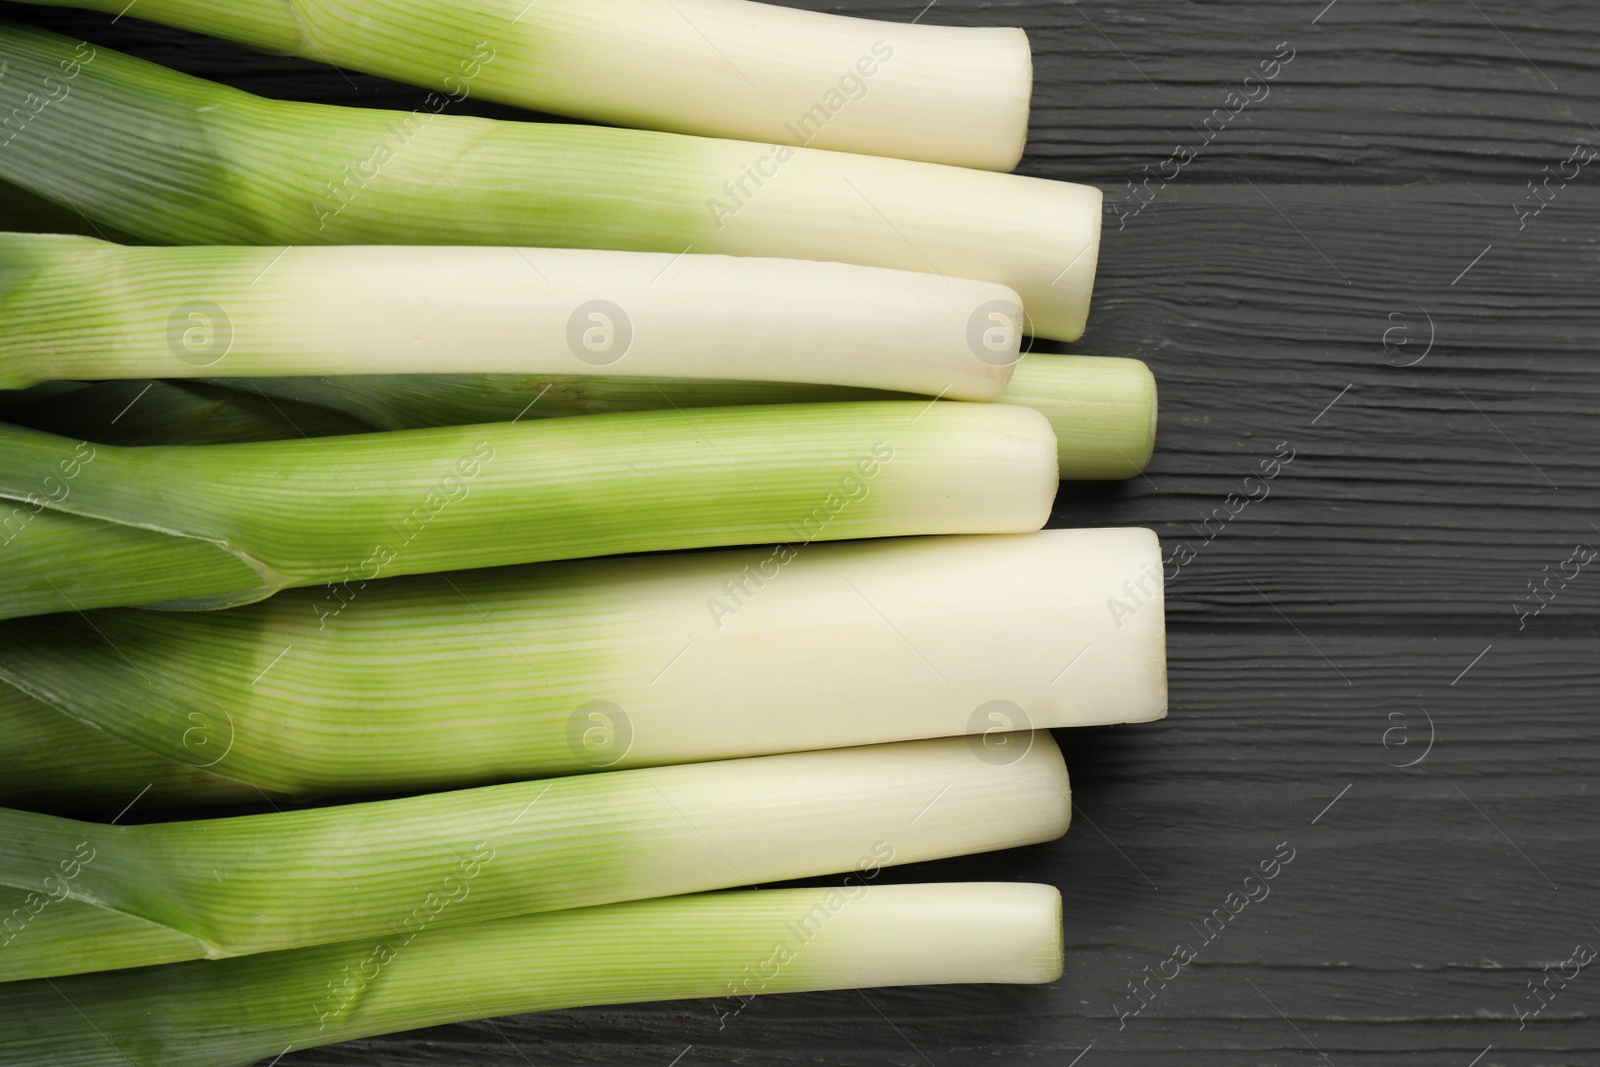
x: 1352, y: 267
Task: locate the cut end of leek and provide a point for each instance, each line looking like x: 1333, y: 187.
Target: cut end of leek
x: 1103, y: 411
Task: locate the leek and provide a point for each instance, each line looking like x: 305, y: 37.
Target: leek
x: 260, y: 883
x: 60, y: 764
x: 213, y: 525
x: 179, y: 160
x: 442, y: 682
x: 722, y: 68
x: 76, y: 307
x: 1103, y: 410
x: 162, y: 412
x: 232, y: 1013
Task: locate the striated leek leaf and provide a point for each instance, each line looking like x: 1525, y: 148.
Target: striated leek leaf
x: 262, y: 883
x: 179, y: 160
x: 448, y: 680
x: 162, y: 412
x: 212, y: 525
x: 55, y: 561
x: 60, y: 764
x: 74, y: 307
x: 231, y: 1013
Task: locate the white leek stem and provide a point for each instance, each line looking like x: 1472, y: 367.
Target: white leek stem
x: 75, y: 307
x: 447, y: 681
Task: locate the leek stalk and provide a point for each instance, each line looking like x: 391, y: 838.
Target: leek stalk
x: 179, y: 160
x: 215, y: 525
x: 261, y: 883
x: 172, y: 412
x: 1103, y: 410
x: 232, y: 1013
x: 501, y: 675
x: 721, y: 68
x: 76, y: 307
x: 59, y: 764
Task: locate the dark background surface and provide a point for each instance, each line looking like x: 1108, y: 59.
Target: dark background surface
x: 1340, y: 269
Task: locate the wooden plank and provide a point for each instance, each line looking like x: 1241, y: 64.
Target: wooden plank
x: 1437, y: 488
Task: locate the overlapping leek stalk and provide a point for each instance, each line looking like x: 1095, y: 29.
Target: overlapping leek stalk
x: 454, y: 680
x: 722, y: 68
x: 214, y: 525
x: 176, y: 411
x: 80, y: 308
x: 179, y: 160
x: 1103, y: 410
x: 261, y: 883
x: 232, y: 1013
x: 57, y: 763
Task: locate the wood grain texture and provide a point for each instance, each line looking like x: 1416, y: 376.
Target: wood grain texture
x: 1329, y: 629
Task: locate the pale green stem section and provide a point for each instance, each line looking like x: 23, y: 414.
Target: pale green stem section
x: 471, y: 678
x: 356, y: 508
x: 260, y: 883
x: 231, y: 1013
x: 1103, y: 410
x: 178, y: 160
